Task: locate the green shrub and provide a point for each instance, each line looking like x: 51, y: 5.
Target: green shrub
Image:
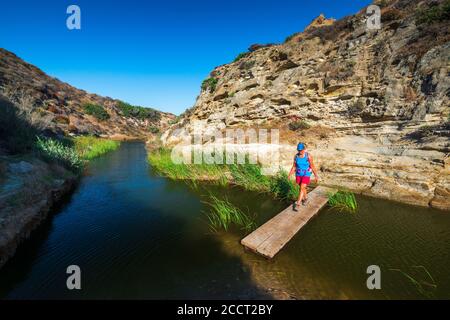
x: 433, y: 14
x: 138, y: 112
x: 343, y: 201
x: 299, y: 125
x: 96, y: 110
x: 153, y: 129
x: 54, y: 150
x: 210, y: 83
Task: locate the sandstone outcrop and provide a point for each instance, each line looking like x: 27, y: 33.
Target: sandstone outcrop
x: 374, y: 103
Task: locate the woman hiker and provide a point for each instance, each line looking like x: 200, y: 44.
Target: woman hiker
x: 303, y: 166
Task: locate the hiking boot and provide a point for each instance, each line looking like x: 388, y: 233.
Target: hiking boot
x: 294, y: 206
x: 304, y: 202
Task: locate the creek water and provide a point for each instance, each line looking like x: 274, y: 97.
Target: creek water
x: 137, y: 235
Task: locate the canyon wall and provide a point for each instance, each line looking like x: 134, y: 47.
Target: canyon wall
x: 371, y: 105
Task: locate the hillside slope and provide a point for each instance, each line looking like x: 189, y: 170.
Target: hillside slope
x: 372, y: 106
x: 60, y: 108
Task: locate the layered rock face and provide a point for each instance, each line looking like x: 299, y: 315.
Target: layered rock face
x: 58, y: 107
x: 372, y: 105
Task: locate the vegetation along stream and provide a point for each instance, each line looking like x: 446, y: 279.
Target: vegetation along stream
x: 136, y: 234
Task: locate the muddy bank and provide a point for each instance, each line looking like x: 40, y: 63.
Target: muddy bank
x: 29, y: 189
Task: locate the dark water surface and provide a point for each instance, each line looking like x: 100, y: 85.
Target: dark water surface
x: 137, y: 235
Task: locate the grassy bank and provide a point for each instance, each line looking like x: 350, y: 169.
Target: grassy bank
x: 89, y: 147
x: 247, y: 176
x: 72, y: 153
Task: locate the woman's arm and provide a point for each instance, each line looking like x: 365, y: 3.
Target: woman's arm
x: 311, y: 163
x: 292, y: 170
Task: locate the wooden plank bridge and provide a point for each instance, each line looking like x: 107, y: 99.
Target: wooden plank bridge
x: 272, y: 236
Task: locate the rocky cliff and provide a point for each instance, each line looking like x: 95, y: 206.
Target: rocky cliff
x: 60, y: 108
x: 372, y: 105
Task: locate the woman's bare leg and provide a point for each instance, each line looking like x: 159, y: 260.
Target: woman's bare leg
x: 300, y: 197
x: 303, y: 193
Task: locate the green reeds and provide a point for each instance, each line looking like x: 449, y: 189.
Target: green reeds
x: 55, y: 150
x: 247, y: 176
x: 224, y: 215
x: 343, y: 201
x: 89, y: 147
x: 162, y: 163
x: 425, y: 287
x: 283, y: 188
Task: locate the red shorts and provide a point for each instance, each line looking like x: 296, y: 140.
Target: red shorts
x: 302, y: 180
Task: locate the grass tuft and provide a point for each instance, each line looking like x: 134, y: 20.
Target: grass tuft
x: 343, y: 201
x: 54, y: 150
x: 224, y: 215
x: 89, y: 147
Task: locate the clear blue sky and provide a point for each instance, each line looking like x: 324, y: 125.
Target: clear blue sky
x: 151, y: 53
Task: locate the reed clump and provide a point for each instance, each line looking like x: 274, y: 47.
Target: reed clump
x: 224, y: 215
x: 90, y: 147
x: 248, y: 176
x: 343, y: 201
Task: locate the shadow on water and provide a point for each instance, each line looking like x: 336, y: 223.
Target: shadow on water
x: 17, y: 268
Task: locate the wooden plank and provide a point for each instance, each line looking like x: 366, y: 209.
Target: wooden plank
x: 272, y: 236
